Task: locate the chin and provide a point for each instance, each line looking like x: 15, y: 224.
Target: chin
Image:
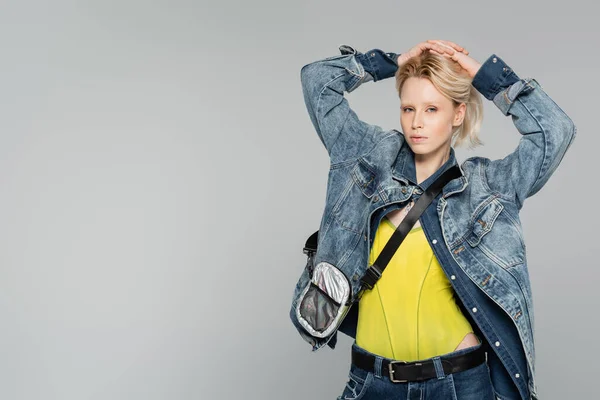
x: 419, y: 149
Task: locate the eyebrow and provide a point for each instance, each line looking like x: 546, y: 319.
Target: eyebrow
x: 427, y: 102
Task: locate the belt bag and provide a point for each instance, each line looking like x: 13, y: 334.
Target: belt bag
x: 327, y: 297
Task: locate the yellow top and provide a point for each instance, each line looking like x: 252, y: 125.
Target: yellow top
x: 411, y: 313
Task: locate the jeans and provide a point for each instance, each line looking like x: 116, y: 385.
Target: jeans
x: 471, y: 384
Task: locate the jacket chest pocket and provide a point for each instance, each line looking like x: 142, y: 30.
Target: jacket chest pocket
x: 483, y: 221
x: 496, y: 235
x: 352, y: 209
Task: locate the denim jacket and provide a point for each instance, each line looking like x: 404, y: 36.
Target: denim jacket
x: 473, y: 226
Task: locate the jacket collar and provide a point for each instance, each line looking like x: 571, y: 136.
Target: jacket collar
x: 404, y: 170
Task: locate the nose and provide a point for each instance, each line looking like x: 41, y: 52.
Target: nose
x: 417, y: 122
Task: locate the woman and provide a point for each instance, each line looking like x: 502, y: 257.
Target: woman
x: 451, y: 317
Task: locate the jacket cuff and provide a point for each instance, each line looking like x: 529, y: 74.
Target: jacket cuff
x: 379, y: 64
x: 493, y: 76
x: 505, y: 99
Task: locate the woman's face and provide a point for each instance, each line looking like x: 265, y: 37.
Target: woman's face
x: 424, y: 111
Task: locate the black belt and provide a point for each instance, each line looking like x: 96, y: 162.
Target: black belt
x: 401, y: 371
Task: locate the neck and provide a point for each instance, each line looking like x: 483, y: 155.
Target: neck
x: 427, y: 164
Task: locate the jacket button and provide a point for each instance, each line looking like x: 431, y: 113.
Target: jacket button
x: 494, y: 59
x: 375, y: 199
x: 453, y: 277
x: 434, y: 241
x: 497, y: 344
x: 403, y: 190
x: 474, y: 309
x: 517, y: 375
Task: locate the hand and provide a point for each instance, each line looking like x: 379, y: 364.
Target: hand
x: 470, y: 65
x: 439, y: 46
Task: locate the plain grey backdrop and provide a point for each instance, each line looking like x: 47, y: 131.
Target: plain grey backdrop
x: 159, y: 175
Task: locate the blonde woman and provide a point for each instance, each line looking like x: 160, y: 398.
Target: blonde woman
x: 451, y: 317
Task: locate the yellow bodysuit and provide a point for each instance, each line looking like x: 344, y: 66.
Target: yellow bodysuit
x: 411, y: 312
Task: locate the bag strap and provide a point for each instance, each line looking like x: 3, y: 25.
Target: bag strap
x: 374, y: 272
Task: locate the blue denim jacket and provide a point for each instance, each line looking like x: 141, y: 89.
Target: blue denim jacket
x: 473, y: 226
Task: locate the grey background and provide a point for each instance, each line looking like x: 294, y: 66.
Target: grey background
x: 159, y: 176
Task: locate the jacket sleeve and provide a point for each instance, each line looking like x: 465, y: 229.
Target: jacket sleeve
x: 324, y: 84
x: 547, y: 131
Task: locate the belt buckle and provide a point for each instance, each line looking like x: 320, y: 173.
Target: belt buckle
x: 391, y: 371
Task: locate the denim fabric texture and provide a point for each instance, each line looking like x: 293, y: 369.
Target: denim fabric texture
x: 473, y: 226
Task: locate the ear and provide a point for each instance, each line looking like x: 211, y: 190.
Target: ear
x: 459, y: 114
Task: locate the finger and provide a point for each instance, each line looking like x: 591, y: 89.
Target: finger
x: 441, y: 54
x: 451, y: 44
x: 446, y: 49
x: 456, y: 57
x: 438, y: 42
x: 440, y: 48
x: 439, y: 51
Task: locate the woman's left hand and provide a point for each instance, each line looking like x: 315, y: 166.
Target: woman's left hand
x: 469, y: 64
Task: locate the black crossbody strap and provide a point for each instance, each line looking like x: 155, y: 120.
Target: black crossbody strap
x: 374, y: 272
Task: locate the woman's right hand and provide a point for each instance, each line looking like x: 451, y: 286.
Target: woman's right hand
x: 440, y: 46
x: 469, y: 64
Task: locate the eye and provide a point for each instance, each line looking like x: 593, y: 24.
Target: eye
x: 408, y: 108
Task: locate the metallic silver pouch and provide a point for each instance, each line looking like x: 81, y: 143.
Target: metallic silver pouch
x: 324, y: 301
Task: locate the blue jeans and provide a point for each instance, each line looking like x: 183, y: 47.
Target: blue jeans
x: 471, y: 384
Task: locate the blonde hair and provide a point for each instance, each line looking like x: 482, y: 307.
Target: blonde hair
x: 448, y: 77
